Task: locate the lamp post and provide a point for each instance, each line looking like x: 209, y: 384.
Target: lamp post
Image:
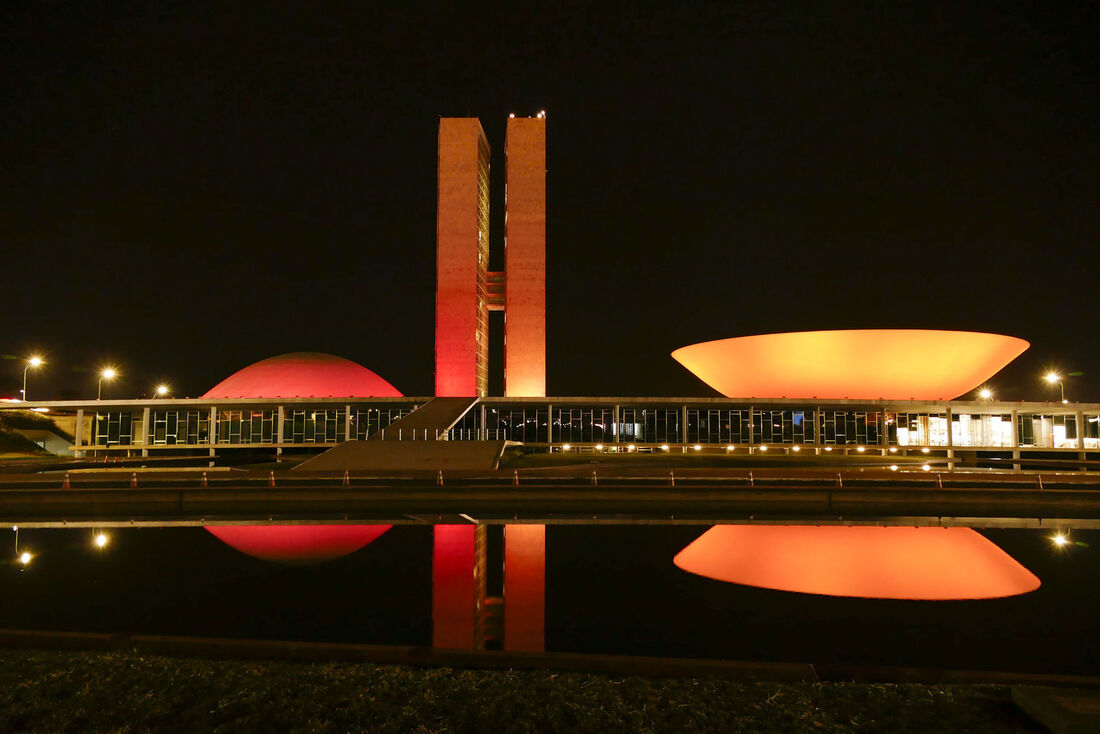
x: 1053, y: 377
x: 35, y: 362
x: 107, y: 373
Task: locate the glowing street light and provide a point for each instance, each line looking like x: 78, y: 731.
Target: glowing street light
x: 985, y: 394
x: 25, y: 558
x: 1060, y: 540
x: 101, y: 540
x: 108, y: 374
x: 35, y: 362
x: 161, y: 391
x: 1053, y: 377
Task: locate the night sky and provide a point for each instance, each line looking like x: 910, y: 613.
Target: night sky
x: 190, y: 188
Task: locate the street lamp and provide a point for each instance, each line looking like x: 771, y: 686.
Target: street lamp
x: 35, y: 362
x: 985, y: 394
x: 108, y: 374
x: 162, y: 390
x: 1053, y: 377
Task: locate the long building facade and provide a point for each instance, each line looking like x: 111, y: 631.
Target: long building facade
x: 644, y: 425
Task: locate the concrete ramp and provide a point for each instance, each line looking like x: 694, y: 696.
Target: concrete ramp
x: 406, y: 456
x: 431, y: 420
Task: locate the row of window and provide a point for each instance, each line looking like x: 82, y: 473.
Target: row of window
x: 182, y: 427
x: 569, y: 424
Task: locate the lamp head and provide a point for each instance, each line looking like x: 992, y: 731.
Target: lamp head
x: 108, y: 373
x: 36, y: 361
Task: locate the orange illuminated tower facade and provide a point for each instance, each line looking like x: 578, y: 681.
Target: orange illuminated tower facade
x: 525, y: 258
x: 465, y: 290
x: 462, y: 260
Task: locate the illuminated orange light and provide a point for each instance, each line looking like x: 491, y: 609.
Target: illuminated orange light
x: 859, y: 363
x: 873, y: 562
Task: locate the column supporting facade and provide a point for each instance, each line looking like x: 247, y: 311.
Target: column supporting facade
x: 213, y: 430
x: 281, y: 424
x: 1015, y: 440
x: 1082, y: 455
x: 78, y: 434
x: 146, y: 431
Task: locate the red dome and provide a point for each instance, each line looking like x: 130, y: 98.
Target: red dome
x: 301, y: 375
x: 304, y: 375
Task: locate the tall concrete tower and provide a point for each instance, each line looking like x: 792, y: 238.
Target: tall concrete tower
x: 465, y: 290
x: 462, y: 260
x: 525, y: 258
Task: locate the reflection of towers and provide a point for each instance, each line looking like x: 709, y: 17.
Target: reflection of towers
x: 465, y: 290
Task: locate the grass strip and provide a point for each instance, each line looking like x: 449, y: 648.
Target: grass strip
x: 130, y: 692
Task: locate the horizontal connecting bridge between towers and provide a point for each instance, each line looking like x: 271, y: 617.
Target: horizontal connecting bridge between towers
x: 610, y: 424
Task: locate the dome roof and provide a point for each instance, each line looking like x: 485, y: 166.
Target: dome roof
x: 304, y: 375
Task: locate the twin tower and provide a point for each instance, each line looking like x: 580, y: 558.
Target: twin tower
x: 466, y: 290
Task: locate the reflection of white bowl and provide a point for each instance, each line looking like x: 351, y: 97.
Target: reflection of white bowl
x: 895, y: 364
x: 872, y: 562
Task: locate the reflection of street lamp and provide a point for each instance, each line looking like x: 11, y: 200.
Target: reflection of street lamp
x: 1053, y: 377
x: 35, y: 362
x: 108, y: 374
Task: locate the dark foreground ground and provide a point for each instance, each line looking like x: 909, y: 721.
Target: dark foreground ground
x: 129, y: 692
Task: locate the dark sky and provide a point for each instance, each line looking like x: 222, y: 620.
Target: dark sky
x: 190, y: 188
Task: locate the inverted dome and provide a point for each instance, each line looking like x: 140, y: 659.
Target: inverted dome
x: 868, y: 364
x: 928, y: 563
x: 297, y: 544
x: 304, y: 375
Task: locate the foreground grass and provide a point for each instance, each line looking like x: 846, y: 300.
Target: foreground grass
x: 127, y: 692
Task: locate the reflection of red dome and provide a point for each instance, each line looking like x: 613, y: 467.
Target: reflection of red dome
x: 297, y: 543
x: 304, y: 375
x: 875, y: 562
x: 895, y: 364
x: 301, y: 374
